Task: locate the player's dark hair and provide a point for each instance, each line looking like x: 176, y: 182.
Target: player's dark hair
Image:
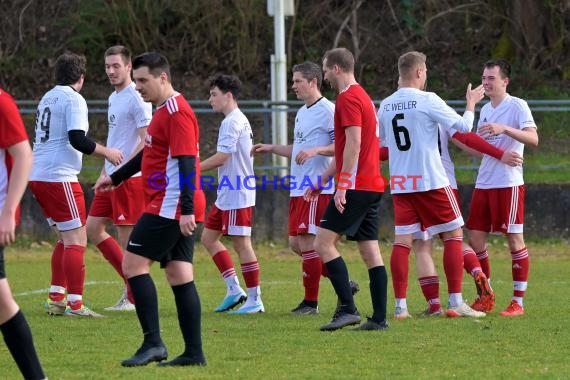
x: 119, y: 50
x: 156, y: 63
x: 69, y: 67
x: 227, y: 83
x: 504, y: 67
x: 341, y: 57
x: 309, y: 71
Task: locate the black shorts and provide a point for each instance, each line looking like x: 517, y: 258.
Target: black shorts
x: 359, y: 221
x: 2, y: 268
x: 160, y: 239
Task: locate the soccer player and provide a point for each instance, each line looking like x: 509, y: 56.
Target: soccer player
x: 422, y: 242
x: 232, y: 212
x: 310, y: 155
x: 497, y: 204
x: 422, y: 197
x: 354, y: 209
x: 128, y: 118
x: 164, y: 233
x: 16, y: 159
x: 60, y: 142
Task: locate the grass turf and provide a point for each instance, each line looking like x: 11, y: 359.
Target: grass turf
x: 277, y: 345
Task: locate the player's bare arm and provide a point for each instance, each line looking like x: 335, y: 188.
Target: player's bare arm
x: 527, y: 136
x: 304, y: 155
x: 350, y: 159
x: 214, y: 162
x: 280, y: 150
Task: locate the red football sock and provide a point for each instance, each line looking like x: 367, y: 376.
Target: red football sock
x: 324, y: 270
x: 57, y: 272
x: 74, y: 267
x: 224, y: 262
x: 312, y: 267
x: 250, y: 272
x: 483, y: 258
x: 399, y: 266
x: 430, y: 290
x: 520, y: 268
x: 470, y: 261
x: 453, y: 263
x: 113, y: 253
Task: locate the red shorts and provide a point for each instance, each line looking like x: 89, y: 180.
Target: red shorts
x: 497, y: 210
x: 231, y: 222
x: 436, y: 211
x: 423, y: 234
x: 123, y: 205
x: 305, y: 217
x: 62, y: 203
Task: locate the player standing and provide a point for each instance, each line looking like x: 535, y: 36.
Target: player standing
x: 128, y: 118
x: 497, y: 204
x: 232, y: 213
x: 60, y: 142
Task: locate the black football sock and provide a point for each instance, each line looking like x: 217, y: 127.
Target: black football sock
x: 378, y: 292
x: 18, y: 338
x: 144, y: 293
x: 338, y: 274
x: 189, y: 318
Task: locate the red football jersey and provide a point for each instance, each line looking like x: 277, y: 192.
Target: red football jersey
x: 354, y: 107
x: 172, y: 132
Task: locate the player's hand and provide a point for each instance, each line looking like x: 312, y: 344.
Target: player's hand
x: 474, y: 95
x: 512, y: 158
x: 114, y: 156
x: 187, y: 224
x: 490, y: 130
x: 7, y: 229
x: 340, y: 199
x: 104, y: 183
x: 261, y: 148
x: 304, y: 155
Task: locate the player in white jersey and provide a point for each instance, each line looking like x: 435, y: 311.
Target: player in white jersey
x: 128, y: 118
x: 497, y: 204
x: 422, y: 196
x: 422, y: 243
x: 61, y: 125
x: 233, y: 210
x: 310, y: 156
x: 15, y: 166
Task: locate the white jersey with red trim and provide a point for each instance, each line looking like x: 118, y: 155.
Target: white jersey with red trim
x: 126, y: 114
x: 409, y: 120
x: 60, y: 110
x: 314, y: 126
x: 515, y: 113
x: 236, y: 183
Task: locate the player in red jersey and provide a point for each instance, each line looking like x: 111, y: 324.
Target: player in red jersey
x: 354, y: 209
x: 164, y: 233
x: 15, y: 165
x: 497, y: 204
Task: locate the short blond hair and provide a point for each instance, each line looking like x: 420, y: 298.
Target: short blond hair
x: 408, y: 62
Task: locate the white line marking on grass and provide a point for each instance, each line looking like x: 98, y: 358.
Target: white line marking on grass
x: 88, y: 283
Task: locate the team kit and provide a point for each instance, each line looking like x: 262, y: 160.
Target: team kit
x: 151, y: 185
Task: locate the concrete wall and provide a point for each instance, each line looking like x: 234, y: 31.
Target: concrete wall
x: 546, y: 213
